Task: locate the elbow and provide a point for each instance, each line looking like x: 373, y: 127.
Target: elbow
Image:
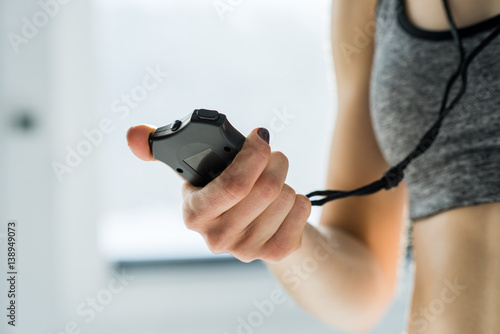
x: 368, y: 318
x: 366, y: 307
x: 363, y: 318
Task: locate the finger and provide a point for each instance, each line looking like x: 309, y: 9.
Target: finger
x: 289, y: 235
x: 138, y: 141
x: 265, y: 191
x: 234, y: 183
x: 265, y: 225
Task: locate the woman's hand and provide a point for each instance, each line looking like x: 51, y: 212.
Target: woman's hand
x: 248, y: 210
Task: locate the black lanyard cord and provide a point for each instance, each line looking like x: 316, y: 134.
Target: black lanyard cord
x: 392, y: 177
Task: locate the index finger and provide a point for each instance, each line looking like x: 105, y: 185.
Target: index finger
x: 235, y: 182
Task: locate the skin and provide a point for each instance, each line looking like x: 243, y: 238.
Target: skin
x: 344, y: 271
x: 459, y: 244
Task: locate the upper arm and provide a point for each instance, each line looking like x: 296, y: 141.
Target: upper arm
x: 355, y: 158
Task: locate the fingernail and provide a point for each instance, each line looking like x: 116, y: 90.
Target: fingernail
x: 264, y: 134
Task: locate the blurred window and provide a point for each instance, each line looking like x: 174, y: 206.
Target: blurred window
x: 261, y: 63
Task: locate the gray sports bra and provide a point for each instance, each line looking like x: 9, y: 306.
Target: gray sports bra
x: 410, y: 70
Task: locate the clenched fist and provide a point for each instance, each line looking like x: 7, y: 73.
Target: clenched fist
x: 248, y: 210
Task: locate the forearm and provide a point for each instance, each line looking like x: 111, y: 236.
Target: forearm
x: 336, y: 278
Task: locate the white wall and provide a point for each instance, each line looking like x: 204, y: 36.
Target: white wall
x: 26, y: 186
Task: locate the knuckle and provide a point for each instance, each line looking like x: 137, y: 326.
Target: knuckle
x: 242, y: 251
x: 287, y: 195
x: 233, y: 182
x: 220, y: 239
x: 190, y: 216
x: 279, y: 249
x: 269, y: 186
x: 247, y: 246
x: 259, y: 155
x: 276, y: 255
x: 215, y: 241
x: 231, y: 193
x: 234, y: 186
x: 303, y: 205
x: 193, y: 211
x: 237, y: 189
x: 215, y: 244
x: 262, y: 153
x: 282, y: 159
x: 247, y: 249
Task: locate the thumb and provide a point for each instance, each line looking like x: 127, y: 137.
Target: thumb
x: 138, y: 141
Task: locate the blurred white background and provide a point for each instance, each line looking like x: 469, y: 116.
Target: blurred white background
x: 72, y: 83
